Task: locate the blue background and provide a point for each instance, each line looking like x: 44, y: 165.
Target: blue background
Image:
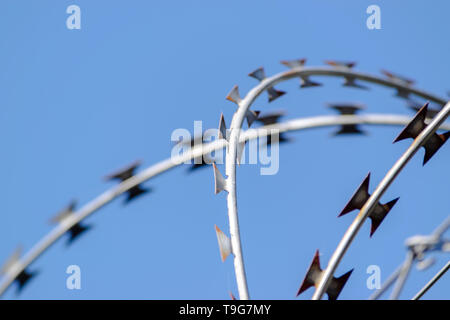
x: 78, y: 104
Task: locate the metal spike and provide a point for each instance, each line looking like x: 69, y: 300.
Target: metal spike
x: 416, y: 126
x: 270, y: 118
x: 431, y: 113
x: 358, y: 200
x: 76, y: 229
x: 304, y: 80
x: 260, y: 75
x: 434, y: 144
x: 294, y: 63
x: 222, y: 128
x: 349, y: 129
x: 341, y: 64
x: 401, y: 93
x: 306, y: 83
x: 281, y: 139
x: 251, y: 116
x: 135, y: 192
x: 314, y: 274
x: 240, y: 151
x: 125, y: 174
x: 224, y: 244
x: 199, y: 162
x: 23, y: 277
x: 234, y: 96
x: 398, y: 78
x: 379, y: 213
x: 337, y: 284
x: 351, y: 82
x: 348, y: 109
x: 220, y: 183
x: 274, y: 93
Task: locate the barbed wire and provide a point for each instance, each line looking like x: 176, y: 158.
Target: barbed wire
x: 16, y: 266
x: 403, y: 87
x: 422, y: 134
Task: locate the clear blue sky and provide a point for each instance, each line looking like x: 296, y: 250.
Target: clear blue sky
x: 78, y: 104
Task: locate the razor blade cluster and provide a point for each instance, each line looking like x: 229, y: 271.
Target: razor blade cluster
x: 67, y: 216
x: 361, y: 196
x: 379, y: 213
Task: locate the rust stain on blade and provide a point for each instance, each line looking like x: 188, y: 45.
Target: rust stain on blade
x: 234, y: 96
x: 224, y: 243
x: 314, y: 275
x: 220, y: 183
